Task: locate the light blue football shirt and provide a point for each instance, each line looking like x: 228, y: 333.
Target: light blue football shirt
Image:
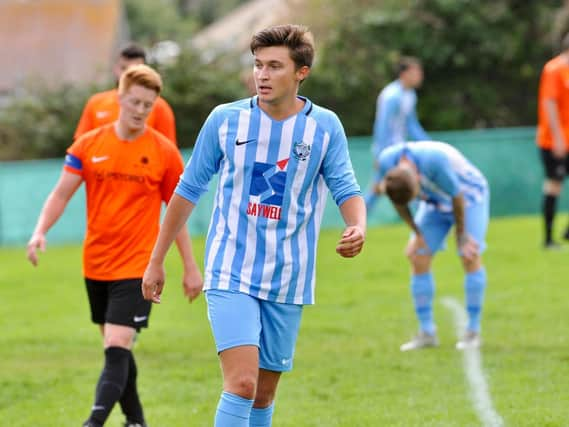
x: 396, y: 118
x: 274, y: 178
x: 444, y: 172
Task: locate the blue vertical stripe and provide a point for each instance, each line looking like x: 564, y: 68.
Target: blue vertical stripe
x: 259, y: 262
x: 242, y: 224
x: 276, y: 283
x: 226, y: 188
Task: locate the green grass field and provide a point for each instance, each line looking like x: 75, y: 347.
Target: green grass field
x: 348, y: 368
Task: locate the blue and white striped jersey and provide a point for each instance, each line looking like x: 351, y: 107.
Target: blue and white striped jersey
x: 396, y: 118
x: 444, y: 172
x: 274, y: 178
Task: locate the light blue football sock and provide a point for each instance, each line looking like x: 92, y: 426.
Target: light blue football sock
x: 423, y: 290
x: 233, y: 411
x: 262, y: 417
x: 474, y: 286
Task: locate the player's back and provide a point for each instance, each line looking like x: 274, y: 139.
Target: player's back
x: 435, y: 159
x: 394, y: 105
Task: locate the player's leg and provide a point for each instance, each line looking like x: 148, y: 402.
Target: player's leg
x: 126, y: 312
x: 434, y: 227
x: 555, y: 171
x: 476, y: 225
x: 279, y: 330
x: 235, y: 322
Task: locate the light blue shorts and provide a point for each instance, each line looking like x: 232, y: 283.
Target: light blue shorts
x: 435, y: 225
x: 238, y: 319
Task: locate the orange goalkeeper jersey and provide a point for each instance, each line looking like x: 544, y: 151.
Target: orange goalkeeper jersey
x: 553, y: 85
x: 126, y: 183
x: 103, y: 108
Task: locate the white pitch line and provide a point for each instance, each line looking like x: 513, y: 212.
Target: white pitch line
x: 473, y: 368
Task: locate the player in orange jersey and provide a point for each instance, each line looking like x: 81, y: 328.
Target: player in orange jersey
x: 103, y: 107
x: 129, y: 169
x: 553, y: 134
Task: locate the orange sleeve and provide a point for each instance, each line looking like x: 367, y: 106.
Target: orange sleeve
x: 165, y: 123
x: 86, y: 121
x: 174, y: 168
x: 549, y: 84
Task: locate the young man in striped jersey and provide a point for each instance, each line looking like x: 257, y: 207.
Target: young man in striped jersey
x: 276, y: 155
x: 451, y: 191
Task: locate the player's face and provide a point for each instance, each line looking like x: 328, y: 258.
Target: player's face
x: 123, y: 64
x: 276, y: 76
x: 414, y: 76
x: 136, y: 104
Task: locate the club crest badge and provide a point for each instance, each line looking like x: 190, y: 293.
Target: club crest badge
x: 301, y: 150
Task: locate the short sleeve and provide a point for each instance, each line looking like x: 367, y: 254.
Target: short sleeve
x: 85, y: 122
x: 337, y: 166
x: 549, y: 83
x: 175, y: 167
x: 204, y: 162
x: 165, y: 122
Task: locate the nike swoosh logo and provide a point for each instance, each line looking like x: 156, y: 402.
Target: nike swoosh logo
x: 102, y: 114
x: 97, y: 408
x: 96, y: 159
x: 246, y: 141
x: 140, y: 318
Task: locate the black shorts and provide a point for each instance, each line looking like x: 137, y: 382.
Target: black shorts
x: 119, y: 302
x: 555, y: 168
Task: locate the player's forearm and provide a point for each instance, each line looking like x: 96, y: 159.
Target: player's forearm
x: 52, y: 210
x: 184, y: 244
x: 177, y: 213
x: 554, y: 124
x: 353, y: 211
x: 405, y: 214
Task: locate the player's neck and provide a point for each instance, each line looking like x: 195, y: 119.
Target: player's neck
x: 283, y: 109
x: 127, y: 134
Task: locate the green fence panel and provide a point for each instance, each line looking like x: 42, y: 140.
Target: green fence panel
x: 508, y: 157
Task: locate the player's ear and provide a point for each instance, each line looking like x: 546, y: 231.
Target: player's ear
x: 302, y: 73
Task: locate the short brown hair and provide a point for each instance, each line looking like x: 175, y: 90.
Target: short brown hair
x: 133, y: 51
x: 296, y: 37
x: 141, y: 75
x: 406, y: 62
x: 400, y: 185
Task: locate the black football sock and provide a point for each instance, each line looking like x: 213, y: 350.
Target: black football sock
x: 111, y: 384
x: 549, y: 207
x: 130, y: 402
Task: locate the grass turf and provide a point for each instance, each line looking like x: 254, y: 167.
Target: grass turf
x: 348, y: 368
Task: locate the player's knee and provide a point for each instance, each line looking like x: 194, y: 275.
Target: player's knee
x: 472, y: 264
x: 118, y: 341
x: 244, y: 385
x: 552, y: 187
x: 264, y: 398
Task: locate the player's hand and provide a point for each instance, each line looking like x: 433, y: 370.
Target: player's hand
x: 352, y: 242
x: 192, y: 283
x: 417, y: 246
x: 467, y: 247
x: 37, y: 241
x: 559, y: 151
x: 153, y: 282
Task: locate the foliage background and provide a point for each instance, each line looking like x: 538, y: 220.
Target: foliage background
x: 482, y: 63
